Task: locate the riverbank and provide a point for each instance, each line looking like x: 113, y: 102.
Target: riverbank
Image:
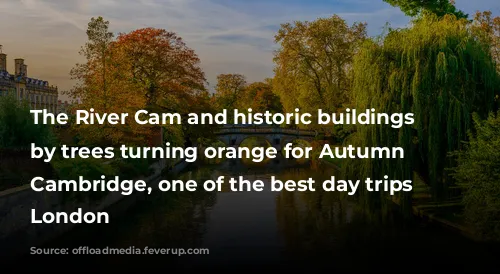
x: 446, y: 213
x: 18, y: 234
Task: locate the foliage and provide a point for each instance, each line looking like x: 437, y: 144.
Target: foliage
x: 174, y: 135
x: 313, y: 64
x: 166, y: 72
x: 17, y: 127
x: 478, y: 171
x: 92, y: 76
x: 89, y: 169
x: 229, y: 90
x: 341, y: 133
x: 488, y: 30
x: 436, y: 70
x: 160, y: 64
x: 259, y: 97
x: 100, y: 87
x: 200, y: 103
x: 148, y: 68
x: 438, y: 7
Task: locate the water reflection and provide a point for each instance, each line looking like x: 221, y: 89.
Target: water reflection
x: 322, y: 229
x: 310, y: 229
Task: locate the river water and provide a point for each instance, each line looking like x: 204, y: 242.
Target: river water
x: 285, y: 230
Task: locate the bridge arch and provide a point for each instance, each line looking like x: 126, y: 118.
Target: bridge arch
x: 225, y: 139
x: 275, y: 136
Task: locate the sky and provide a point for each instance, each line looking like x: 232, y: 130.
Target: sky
x: 229, y: 36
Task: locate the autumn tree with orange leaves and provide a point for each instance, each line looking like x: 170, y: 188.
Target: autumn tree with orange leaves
x: 165, y: 70
x: 148, y: 68
x: 166, y: 73
x: 487, y: 28
x: 261, y: 98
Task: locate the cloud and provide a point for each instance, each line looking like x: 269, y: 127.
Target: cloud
x: 50, y: 14
x: 228, y: 35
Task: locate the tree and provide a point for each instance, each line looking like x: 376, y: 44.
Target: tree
x: 436, y: 70
x: 487, y: 29
x: 167, y: 73
x: 260, y: 97
x: 201, y: 133
x: 229, y: 90
x: 17, y: 127
x: 478, y: 172
x: 96, y: 87
x: 417, y: 7
x: 313, y: 64
x: 91, y: 75
x: 161, y: 66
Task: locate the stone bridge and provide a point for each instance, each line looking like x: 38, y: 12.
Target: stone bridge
x: 276, y: 136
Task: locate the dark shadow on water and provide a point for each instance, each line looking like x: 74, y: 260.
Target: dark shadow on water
x: 268, y: 230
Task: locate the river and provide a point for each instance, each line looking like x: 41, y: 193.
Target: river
x: 286, y: 230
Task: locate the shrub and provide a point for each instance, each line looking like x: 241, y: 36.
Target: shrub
x: 89, y: 169
x: 478, y: 171
x: 17, y: 127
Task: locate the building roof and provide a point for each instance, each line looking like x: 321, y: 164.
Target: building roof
x: 31, y: 81
x: 5, y: 75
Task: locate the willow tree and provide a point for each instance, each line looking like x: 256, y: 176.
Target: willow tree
x: 437, y: 70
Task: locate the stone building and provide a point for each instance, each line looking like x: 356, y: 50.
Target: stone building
x: 38, y: 93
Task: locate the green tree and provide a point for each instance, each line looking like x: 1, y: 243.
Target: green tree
x: 93, y: 80
x: 478, y: 172
x: 91, y: 76
x: 201, y: 133
x: 417, y: 7
x: 439, y: 71
x: 314, y: 61
x: 17, y: 127
x: 229, y: 90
